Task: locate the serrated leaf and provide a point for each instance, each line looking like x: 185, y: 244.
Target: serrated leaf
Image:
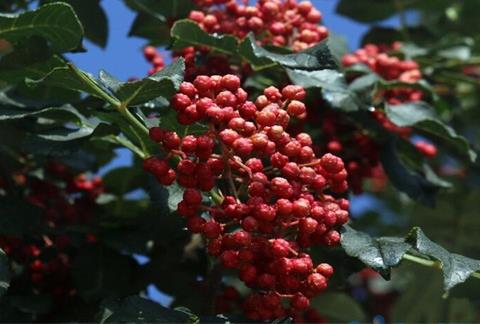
x: 135, y: 309
x: 4, y: 273
x: 422, y: 116
x: 317, y: 57
x: 188, y: 32
x: 334, y: 87
x: 456, y: 268
x: 56, y: 22
x: 380, y: 254
x: 384, y: 253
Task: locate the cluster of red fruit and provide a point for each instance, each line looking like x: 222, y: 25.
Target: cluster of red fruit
x: 283, y: 23
x: 390, y: 68
x: 359, y: 151
x: 65, y: 199
x: 273, y: 202
x: 153, y: 56
x: 276, y: 22
x: 342, y: 137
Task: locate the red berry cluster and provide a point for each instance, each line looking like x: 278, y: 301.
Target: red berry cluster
x: 389, y: 68
x: 356, y: 147
x: 65, y: 199
x: 342, y: 137
x: 359, y: 151
x: 277, y: 22
x: 392, y: 68
x: 153, y: 56
x: 273, y: 201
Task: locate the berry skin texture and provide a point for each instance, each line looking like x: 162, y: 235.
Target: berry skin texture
x: 272, y: 183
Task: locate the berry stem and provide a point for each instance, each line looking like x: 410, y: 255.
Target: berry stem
x: 101, y: 93
x: 228, y: 172
x: 431, y: 263
x: 123, y: 110
x: 216, y: 197
x: 94, y: 86
x: 128, y: 144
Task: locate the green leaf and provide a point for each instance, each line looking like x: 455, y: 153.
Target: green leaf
x: 4, y: 273
x: 56, y: 22
x: 386, y: 252
x: 317, y: 57
x: 378, y: 253
x: 135, y: 309
x: 338, y: 46
x: 19, y: 110
x: 189, y: 33
x: 64, y: 142
x: 78, y: 127
x: 19, y: 69
x: 175, y: 195
x: 334, y: 87
x: 456, y: 268
x: 151, y: 28
x: 161, y: 84
x: 423, y: 117
x: 338, y: 307
x: 416, y: 186
x: 93, y: 19
x: 64, y: 76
